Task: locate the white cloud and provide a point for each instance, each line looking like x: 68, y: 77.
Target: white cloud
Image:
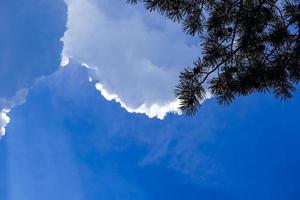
x: 7, y: 104
x: 4, y: 120
x: 135, y: 57
x: 153, y: 110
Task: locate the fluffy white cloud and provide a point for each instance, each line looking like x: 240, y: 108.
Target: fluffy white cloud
x: 134, y: 56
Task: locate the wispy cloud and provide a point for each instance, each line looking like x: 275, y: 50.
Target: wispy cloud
x: 30, y: 48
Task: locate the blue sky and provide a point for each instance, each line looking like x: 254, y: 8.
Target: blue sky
x: 66, y: 141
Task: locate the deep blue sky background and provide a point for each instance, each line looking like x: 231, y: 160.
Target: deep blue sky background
x: 68, y: 142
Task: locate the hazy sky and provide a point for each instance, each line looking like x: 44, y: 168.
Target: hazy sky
x: 100, y: 126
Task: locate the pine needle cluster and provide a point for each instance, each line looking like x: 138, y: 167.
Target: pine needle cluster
x: 247, y: 46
